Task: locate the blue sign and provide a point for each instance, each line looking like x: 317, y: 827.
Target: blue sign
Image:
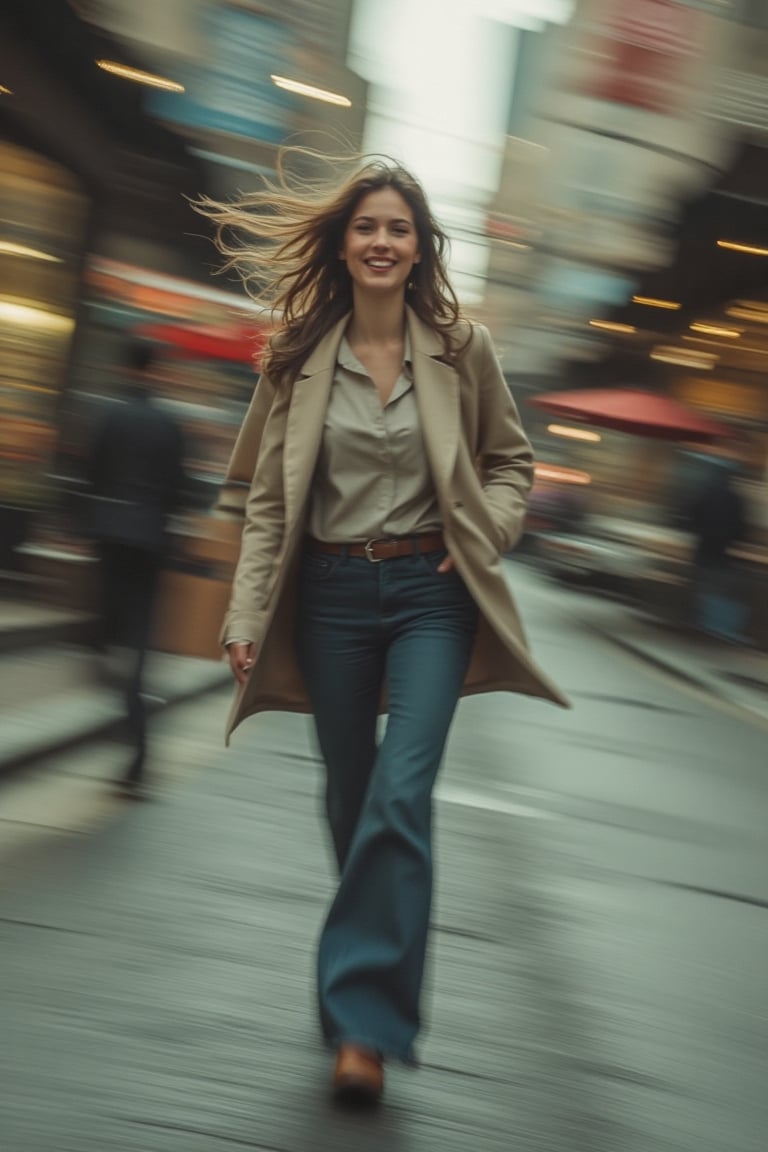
x: 232, y: 91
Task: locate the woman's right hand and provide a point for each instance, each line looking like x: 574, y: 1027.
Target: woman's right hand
x: 241, y: 658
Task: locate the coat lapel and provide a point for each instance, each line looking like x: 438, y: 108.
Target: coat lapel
x: 436, y: 385
x: 306, y: 417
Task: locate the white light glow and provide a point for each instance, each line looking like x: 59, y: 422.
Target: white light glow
x: 311, y: 91
x: 8, y: 248
x: 441, y: 77
x: 28, y: 316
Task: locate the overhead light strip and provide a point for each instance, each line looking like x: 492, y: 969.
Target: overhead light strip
x: 653, y: 302
x: 750, y: 249
x: 612, y: 326
x: 311, y: 91
x: 716, y: 330
x: 574, y: 433
x: 9, y: 248
x: 136, y: 74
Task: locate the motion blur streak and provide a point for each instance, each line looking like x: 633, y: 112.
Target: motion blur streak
x: 600, y: 167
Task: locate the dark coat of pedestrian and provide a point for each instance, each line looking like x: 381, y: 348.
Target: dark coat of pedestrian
x: 136, y: 482
x: 717, y: 521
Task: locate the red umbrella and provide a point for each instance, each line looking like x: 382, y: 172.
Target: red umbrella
x: 242, y: 343
x: 632, y: 410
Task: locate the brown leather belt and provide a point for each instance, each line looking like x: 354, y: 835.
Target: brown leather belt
x: 376, y: 550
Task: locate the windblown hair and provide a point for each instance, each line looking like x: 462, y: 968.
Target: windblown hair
x: 284, y: 241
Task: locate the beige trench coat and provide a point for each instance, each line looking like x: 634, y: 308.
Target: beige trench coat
x: 466, y: 414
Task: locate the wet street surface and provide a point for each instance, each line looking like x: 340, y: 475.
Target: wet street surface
x: 598, y: 976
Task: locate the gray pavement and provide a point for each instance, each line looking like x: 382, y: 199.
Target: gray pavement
x: 734, y: 674
x: 597, y: 979
x: 57, y: 695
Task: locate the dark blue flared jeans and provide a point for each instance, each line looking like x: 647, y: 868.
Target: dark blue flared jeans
x: 401, y: 626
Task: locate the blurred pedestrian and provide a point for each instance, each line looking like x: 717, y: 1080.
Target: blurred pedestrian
x: 388, y: 472
x: 135, y: 474
x: 718, y: 521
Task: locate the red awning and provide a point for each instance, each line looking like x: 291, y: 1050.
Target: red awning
x: 632, y: 410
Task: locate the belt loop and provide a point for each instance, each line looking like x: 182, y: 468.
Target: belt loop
x: 415, y: 549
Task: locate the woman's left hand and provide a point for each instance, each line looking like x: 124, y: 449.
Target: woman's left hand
x: 446, y: 565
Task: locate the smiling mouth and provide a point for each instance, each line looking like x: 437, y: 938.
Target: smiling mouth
x: 380, y: 265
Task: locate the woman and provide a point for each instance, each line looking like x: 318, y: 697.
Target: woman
x: 387, y: 473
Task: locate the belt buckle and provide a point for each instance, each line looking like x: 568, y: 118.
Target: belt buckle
x: 368, y: 548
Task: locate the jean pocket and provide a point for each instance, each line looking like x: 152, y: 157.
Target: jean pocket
x: 431, y: 561
x: 319, y: 566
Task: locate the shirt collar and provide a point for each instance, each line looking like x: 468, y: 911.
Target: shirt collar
x: 347, y: 359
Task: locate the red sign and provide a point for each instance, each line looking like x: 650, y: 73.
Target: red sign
x: 642, y: 49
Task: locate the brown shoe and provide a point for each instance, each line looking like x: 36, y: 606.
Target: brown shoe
x: 359, y: 1076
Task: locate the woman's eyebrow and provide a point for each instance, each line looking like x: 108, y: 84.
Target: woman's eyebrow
x: 372, y: 220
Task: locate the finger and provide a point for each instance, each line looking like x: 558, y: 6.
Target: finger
x: 446, y: 565
x: 241, y: 661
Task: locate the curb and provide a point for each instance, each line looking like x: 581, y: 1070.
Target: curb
x: 664, y: 665
x: 709, y: 685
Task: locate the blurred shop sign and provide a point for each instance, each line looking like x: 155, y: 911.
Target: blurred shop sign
x: 232, y: 90
x: 640, y: 48
x: 142, y: 291
x: 725, y: 397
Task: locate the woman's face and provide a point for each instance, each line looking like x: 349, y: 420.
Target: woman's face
x: 380, y: 242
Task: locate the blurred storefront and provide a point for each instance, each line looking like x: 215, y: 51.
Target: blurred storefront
x: 98, y: 243
x: 628, y: 250
x: 44, y: 214
x: 81, y: 169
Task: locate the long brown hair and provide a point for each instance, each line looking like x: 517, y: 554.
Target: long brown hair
x: 284, y: 241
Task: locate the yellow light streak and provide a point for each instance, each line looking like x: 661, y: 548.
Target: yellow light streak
x: 563, y: 475
x: 653, y: 302
x: 612, y: 326
x: 716, y: 330
x: 684, y: 357
x: 574, y: 433
x: 750, y: 249
x: 748, y: 314
x: 136, y: 74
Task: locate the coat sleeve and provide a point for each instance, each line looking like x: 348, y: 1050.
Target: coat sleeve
x: 504, y: 451
x: 263, y: 530
x: 242, y: 462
